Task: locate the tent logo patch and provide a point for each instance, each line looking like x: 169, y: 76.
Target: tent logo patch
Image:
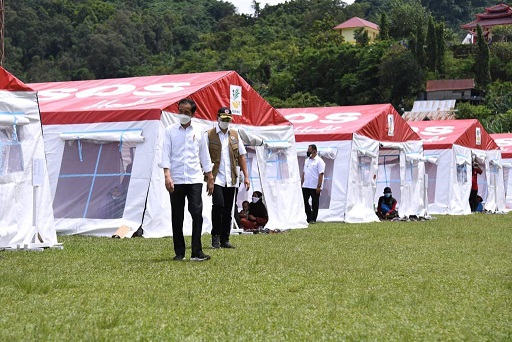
x: 235, y: 99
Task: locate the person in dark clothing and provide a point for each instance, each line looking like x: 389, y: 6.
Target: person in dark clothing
x: 258, y: 215
x: 473, y: 202
x: 386, y: 208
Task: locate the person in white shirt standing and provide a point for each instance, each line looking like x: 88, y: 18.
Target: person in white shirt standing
x: 227, y: 153
x: 312, y: 180
x: 185, y: 158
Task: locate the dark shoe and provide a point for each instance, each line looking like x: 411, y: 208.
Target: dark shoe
x: 226, y: 245
x: 312, y: 222
x: 200, y: 256
x: 216, y: 241
x: 179, y: 258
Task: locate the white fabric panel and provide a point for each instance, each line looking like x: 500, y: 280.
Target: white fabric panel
x: 18, y: 214
x: 413, y: 185
x: 361, y: 187
x: 9, y: 120
x: 106, y: 136
x: 493, y: 185
x: 325, y: 153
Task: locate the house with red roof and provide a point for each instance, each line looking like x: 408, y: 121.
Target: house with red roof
x: 348, y: 28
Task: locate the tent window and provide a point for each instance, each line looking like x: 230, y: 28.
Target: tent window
x: 431, y: 173
x: 388, y: 174
x: 365, y: 164
x: 411, y: 171
x: 277, y: 164
x: 462, y: 173
x: 11, y: 153
x: 93, y: 183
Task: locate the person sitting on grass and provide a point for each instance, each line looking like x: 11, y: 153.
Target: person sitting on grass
x: 257, y: 217
x: 386, y: 208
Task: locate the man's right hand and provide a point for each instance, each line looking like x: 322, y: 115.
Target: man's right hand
x: 169, y: 184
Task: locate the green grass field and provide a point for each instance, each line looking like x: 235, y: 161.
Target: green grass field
x: 448, y: 279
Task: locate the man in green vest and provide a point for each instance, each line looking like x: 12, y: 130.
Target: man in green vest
x: 227, y: 152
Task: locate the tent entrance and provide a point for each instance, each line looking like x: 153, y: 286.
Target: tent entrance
x: 94, y: 179
x: 325, y: 196
x: 389, y: 173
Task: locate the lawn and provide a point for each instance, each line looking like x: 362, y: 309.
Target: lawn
x: 447, y: 279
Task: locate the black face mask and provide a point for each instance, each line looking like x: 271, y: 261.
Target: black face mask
x: 308, y: 153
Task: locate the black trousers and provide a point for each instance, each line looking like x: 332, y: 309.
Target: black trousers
x: 311, y: 210
x: 222, y: 204
x: 192, y: 192
x: 473, y: 202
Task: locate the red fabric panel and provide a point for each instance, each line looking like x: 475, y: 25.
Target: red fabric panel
x: 443, y: 134
x: 340, y: 123
x: 11, y: 83
x: 141, y: 98
x: 504, y: 141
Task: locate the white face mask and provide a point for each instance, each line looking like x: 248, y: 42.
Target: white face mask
x: 223, y: 124
x: 184, y: 119
x: 255, y: 199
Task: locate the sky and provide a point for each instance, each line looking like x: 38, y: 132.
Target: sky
x: 244, y: 6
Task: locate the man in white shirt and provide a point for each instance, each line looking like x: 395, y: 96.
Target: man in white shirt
x: 312, y: 180
x: 185, y: 158
x: 227, y: 154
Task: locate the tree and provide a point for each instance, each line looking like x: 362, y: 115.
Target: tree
x: 384, y: 27
x: 441, y: 47
x: 482, y: 61
x: 361, y: 36
x: 432, y: 46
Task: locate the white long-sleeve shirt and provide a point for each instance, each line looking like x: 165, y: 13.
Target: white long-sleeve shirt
x: 185, y: 153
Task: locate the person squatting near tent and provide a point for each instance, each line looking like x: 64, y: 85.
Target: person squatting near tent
x: 386, y: 207
x: 227, y: 154
x: 312, y: 180
x: 257, y: 215
x: 185, y: 158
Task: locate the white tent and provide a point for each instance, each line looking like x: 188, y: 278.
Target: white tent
x: 365, y: 148
x: 26, y: 217
x: 504, y: 141
x: 451, y: 145
x: 101, y: 134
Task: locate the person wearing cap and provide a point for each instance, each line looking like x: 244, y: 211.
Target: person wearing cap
x: 312, y: 179
x: 185, y: 160
x: 386, y: 208
x: 227, y: 154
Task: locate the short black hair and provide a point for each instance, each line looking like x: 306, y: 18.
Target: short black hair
x: 313, y: 146
x: 191, y: 102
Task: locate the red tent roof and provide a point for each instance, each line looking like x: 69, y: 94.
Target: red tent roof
x: 11, y: 83
x: 504, y: 141
x: 442, y: 134
x: 356, y: 22
x: 143, y: 98
x: 340, y: 123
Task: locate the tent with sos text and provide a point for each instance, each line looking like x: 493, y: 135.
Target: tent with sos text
x: 452, y: 146
x: 104, y: 139
x: 365, y: 149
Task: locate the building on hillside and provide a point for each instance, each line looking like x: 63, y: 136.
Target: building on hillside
x: 348, y: 28
x: 493, y: 16
x: 462, y: 90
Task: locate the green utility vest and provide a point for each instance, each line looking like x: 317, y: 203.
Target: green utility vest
x: 215, y: 147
